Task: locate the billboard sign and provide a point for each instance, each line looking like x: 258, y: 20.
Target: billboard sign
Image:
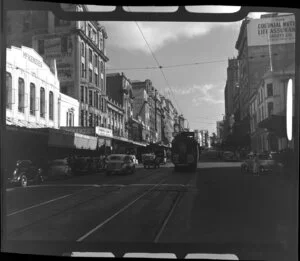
x: 60, y: 48
x: 104, y: 132
x: 271, y: 30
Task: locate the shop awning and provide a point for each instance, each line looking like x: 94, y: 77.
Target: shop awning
x: 275, y: 124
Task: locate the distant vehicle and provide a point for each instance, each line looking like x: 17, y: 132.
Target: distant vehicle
x: 185, y: 151
x: 229, y: 156
x: 120, y: 163
x: 266, y: 164
x: 24, y: 172
x: 151, y: 160
x: 59, y: 167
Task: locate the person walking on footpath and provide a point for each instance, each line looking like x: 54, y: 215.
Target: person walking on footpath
x: 255, y: 165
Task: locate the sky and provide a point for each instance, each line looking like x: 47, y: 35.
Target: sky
x: 197, y: 91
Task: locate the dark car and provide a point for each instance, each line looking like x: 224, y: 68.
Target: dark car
x: 24, y: 172
x: 151, y: 160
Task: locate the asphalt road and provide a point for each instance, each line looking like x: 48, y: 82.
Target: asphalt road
x: 216, y: 209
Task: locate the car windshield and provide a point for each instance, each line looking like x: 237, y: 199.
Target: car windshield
x: 150, y: 128
x: 115, y: 157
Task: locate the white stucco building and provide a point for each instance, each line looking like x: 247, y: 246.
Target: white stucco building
x: 33, y: 97
x: 32, y: 90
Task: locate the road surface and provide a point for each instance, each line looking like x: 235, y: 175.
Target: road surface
x: 216, y: 209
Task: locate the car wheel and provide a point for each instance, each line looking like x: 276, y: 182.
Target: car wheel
x: 24, y: 181
x: 144, y: 166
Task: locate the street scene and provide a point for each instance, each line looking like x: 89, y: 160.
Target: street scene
x: 109, y: 152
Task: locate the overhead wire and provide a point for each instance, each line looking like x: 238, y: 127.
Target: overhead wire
x: 157, y: 62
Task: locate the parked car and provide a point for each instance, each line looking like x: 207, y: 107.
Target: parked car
x: 120, y: 163
x: 266, y: 164
x: 24, y: 172
x: 59, y: 168
x: 135, y: 160
x: 229, y: 156
x: 151, y: 160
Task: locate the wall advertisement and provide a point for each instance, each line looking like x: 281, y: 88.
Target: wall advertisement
x: 60, y: 47
x: 271, y: 30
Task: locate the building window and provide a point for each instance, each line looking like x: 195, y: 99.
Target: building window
x: 270, y: 89
x: 89, y: 31
x: 41, y: 47
x: 86, y: 118
x: 90, y: 120
x: 91, y: 56
x: 21, y: 95
x: 95, y: 61
x: 8, y: 91
x: 96, y: 78
x: 101, y: 41
x: 32, y: 99
x: 102, y: 67
x: 96, y: 100
x: 64, y: 44
x: 51, y: 106
x: 82, y: 70
x: 82, y: 49
x: 82, y: 118
x: 91, y: 98
x: 82, y: 93
x: 67, y: 119
x: 270, y: 108
x: 86, y: 95
x: 42, y: 102
x: 90, y: 75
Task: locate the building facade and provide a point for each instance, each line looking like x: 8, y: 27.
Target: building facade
x: 119, y: 89
x: 268, y: 110
x: 79, y: 50
x: 261, y: 49
x: 32, y: 90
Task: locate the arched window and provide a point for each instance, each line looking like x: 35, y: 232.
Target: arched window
x: 51, y: 106
x: 42, y: 102
x: 8, y: 90
x: 21, y: 95
x: 32, y: 99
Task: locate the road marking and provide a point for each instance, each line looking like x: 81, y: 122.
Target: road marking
x: 46, y: 202
x: 116, y: 214
x: 167, y: 219
x: 38, y: 205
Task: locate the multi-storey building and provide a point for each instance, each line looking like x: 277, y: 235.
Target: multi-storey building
x: 268, y: 111
x: 119, y: 89
x: 261, y: 48
x: 79, y: 50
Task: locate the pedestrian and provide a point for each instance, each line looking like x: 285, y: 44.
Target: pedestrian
x: 255, y: 165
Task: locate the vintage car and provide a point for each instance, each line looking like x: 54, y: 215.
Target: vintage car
x: 266, y: 164
x: 151, y: 160
x: 229, y: 156
x: 120, y: 163
x: 24, y: 172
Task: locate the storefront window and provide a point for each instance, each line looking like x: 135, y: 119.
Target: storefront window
x: 21, y: 95
x: 8, y: 91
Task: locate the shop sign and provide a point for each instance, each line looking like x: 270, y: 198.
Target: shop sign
x: 100, y: 131
x: 272, y: 30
